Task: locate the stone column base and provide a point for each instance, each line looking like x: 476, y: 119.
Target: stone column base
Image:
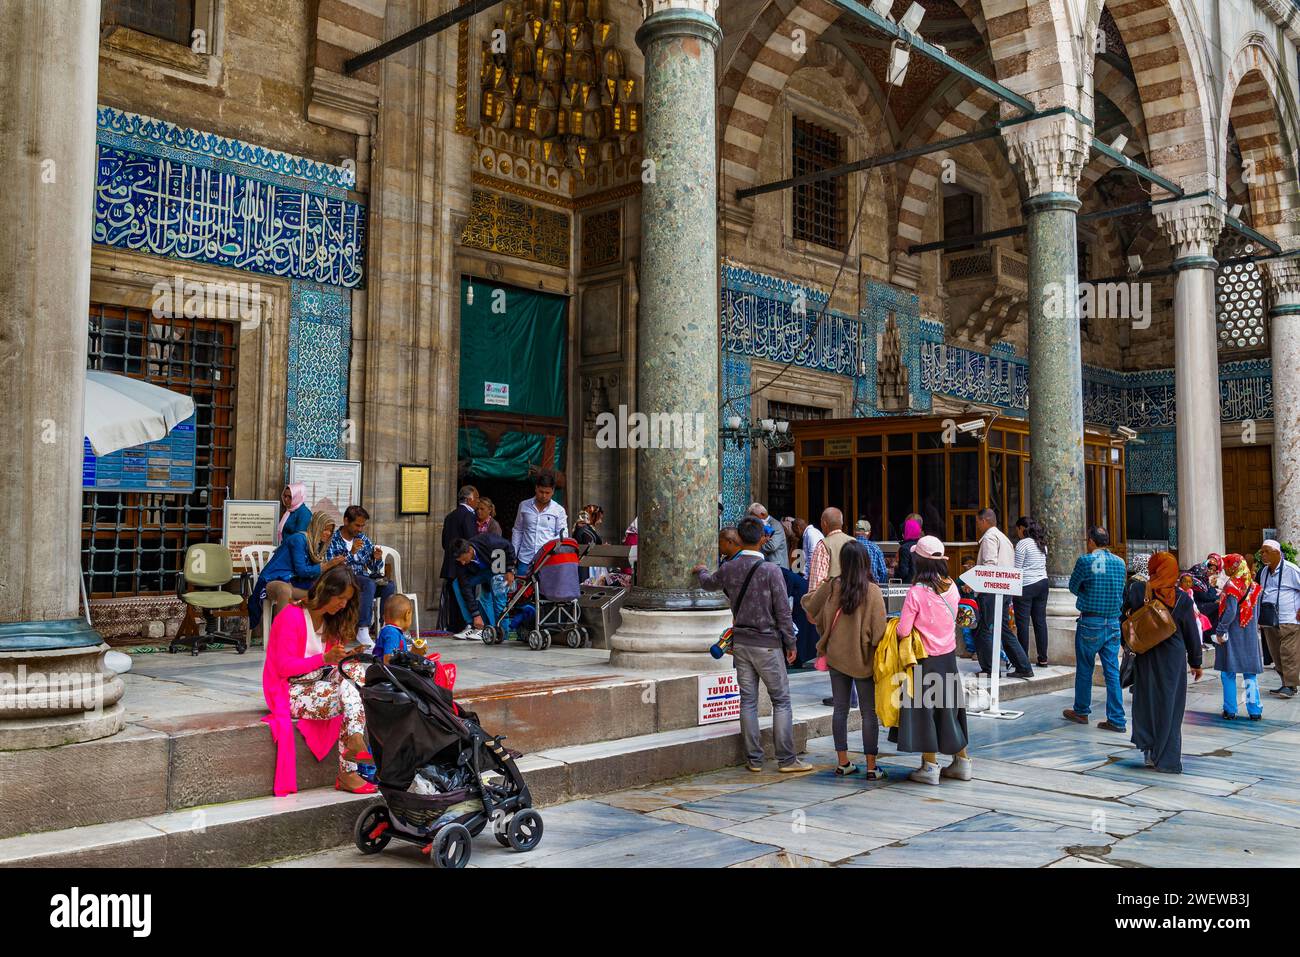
x: 54, y: 696
x: 668, y: 640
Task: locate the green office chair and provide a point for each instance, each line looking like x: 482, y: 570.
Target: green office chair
x: 208, y: 567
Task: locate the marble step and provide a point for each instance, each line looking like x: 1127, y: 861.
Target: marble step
x: 261, y: 829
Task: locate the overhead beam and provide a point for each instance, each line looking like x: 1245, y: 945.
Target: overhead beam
x: 414, y: 36
x: 964, y: 241
x: 1251, y: 234
x: 1145, y: 172
x: 914, y: 42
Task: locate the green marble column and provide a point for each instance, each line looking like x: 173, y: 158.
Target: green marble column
x: 1056, y: 470
x: 677, y: 349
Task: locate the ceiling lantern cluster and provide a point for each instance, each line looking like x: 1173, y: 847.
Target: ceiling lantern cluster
x: 556, y: 94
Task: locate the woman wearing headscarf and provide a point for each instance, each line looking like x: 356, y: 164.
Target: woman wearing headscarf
x: 296, y: 515
x: 905, y: 570
x: 1160, y: 674
x: 1236, y: 638
x: 1209, y: 575
x: 585, y: 533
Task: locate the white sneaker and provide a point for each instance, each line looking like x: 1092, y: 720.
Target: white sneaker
x: 465, y: 634
x: 927, y: 773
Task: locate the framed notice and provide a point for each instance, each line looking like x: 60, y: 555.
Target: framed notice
x: 413, y: 489
x: 247, y: 522
x: 331, y: 485
x: 719, y: 698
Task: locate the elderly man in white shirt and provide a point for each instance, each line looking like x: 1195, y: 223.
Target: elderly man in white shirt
x: 996, y: 549
x: 540, y: 519
x: 1279, y: 615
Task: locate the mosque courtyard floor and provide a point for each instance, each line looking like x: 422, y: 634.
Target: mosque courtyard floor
x: 1045, y: 793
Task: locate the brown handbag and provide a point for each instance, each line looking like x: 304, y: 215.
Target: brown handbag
x: 1147, y: 627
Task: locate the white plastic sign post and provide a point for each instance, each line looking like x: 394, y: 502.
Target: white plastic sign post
x: 1000, y: 582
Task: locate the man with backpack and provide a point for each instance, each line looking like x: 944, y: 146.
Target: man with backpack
x: 762, y: 643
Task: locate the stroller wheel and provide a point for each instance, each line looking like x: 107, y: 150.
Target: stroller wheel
x: 525, y: 830
x: 586, y: 637
x: 535, y: 640
x: 546, y: 640
x: 451, y: 847
x: 488, y: 635
x: 573, y: 638
x: 371, y: 832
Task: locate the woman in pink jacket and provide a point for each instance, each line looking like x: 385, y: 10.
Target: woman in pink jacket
x: 301, y: 682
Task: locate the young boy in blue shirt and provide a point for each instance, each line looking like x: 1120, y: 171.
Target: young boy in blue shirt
x: 397, y: 620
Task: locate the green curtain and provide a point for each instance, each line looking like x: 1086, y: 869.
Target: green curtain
x: 514, y: 338
x: 511, y: 458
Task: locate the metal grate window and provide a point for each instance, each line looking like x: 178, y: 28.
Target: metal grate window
x: 167, y: 19
x: 134, y: 543
x: 1240, y: 293
x: 820, y: 207
x: 780, y: 482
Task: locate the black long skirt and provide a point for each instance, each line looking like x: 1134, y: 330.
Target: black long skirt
x: 934, y: 718
x: 1159, y: 700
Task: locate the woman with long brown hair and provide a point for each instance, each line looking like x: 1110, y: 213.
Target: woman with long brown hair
x: 1160, y: 673
x: 302, y: 680
x: 290, y: 571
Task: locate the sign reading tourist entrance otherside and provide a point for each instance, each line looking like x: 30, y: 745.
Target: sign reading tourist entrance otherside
x: 719, y: 698
x: 992, y: 580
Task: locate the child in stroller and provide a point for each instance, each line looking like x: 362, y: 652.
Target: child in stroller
x: 442, y: 778
x: 552, y: 586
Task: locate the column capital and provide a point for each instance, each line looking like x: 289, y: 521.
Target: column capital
x: 1192, y: 227
x: 651, y: 7
x: 1050, y: 152
x: 1282, y: 277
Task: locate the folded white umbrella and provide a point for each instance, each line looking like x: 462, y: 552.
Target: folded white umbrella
x: 122, y: 412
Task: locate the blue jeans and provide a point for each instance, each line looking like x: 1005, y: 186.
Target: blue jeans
x: 1098, y: 636
x: 491, y: 594
x: 1229, y: 679
x: 367, y: 599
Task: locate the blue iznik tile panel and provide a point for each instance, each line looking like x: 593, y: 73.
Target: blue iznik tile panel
x: 735, y: 461
x: 320, y: 340
x: 189, y: 195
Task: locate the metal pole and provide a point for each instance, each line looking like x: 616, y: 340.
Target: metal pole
x: 413, y: 36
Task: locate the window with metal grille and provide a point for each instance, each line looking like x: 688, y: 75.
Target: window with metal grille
x: 167, y: 19
x: 780, y: 482
x: 1240, y: 294
x: 819, y: 207
x: 134, y: 543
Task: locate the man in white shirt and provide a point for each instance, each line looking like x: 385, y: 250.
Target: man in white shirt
x: 540, y: 519
x: 1279, y: 615
x: 996, y: 549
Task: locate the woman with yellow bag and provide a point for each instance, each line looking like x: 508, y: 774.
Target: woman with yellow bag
x: 932, y: 718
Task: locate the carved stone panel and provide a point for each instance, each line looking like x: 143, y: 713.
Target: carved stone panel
x: 601, y: 322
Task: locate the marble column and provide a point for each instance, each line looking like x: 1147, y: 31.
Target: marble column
x: 53, y: 686
x: 1051, y: 154
x: 1193, y: 228
x: 668, y: 622
x: 1283, y: 278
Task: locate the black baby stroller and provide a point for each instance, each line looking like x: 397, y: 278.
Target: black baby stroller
x: 553, y: 584
x: 467, y: 778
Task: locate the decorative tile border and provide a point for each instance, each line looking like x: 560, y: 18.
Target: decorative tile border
x: 141, y: 129
x: 736, y: 378
x: 188, y: 195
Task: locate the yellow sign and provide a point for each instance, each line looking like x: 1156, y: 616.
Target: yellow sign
x: 413, y: 489
x: 839, y: 446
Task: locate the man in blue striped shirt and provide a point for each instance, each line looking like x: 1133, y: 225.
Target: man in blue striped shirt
x: 1098, y: 586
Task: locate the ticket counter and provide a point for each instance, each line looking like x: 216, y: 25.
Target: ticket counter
x: 943, y: 468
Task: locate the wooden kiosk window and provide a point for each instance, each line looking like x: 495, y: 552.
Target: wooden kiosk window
x: 886, y: 469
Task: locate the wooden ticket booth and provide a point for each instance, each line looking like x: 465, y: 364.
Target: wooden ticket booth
x: 944, y: 469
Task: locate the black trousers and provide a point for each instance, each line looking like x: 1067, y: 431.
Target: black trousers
x: 1032, y: 606
x: 984, y: 637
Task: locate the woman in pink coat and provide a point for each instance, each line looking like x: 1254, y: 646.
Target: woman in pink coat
x: 300, y: 682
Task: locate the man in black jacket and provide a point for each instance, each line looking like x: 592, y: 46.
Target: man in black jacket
x: 482, y: 570
x: 460, y: 522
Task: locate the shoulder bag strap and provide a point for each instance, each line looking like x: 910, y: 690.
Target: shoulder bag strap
x: 740, y: 598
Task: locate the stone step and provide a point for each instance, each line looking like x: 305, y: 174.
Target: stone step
x: 158, y: 765
x: 258, y: 830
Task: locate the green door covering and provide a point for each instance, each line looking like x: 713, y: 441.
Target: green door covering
x: 514, y: 346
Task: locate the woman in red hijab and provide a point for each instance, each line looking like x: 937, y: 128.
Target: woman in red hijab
x: 1236, y: 638
x: 1160, y: 674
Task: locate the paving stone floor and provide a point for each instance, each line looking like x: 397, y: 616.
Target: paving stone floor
x: 1045, y: 794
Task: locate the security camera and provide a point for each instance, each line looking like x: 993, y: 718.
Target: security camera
x: 1126, y: 432
x: 974, y: 425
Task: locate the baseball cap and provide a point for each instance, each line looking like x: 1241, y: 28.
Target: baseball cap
x: 863, y: 526
x: 929, y: 547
